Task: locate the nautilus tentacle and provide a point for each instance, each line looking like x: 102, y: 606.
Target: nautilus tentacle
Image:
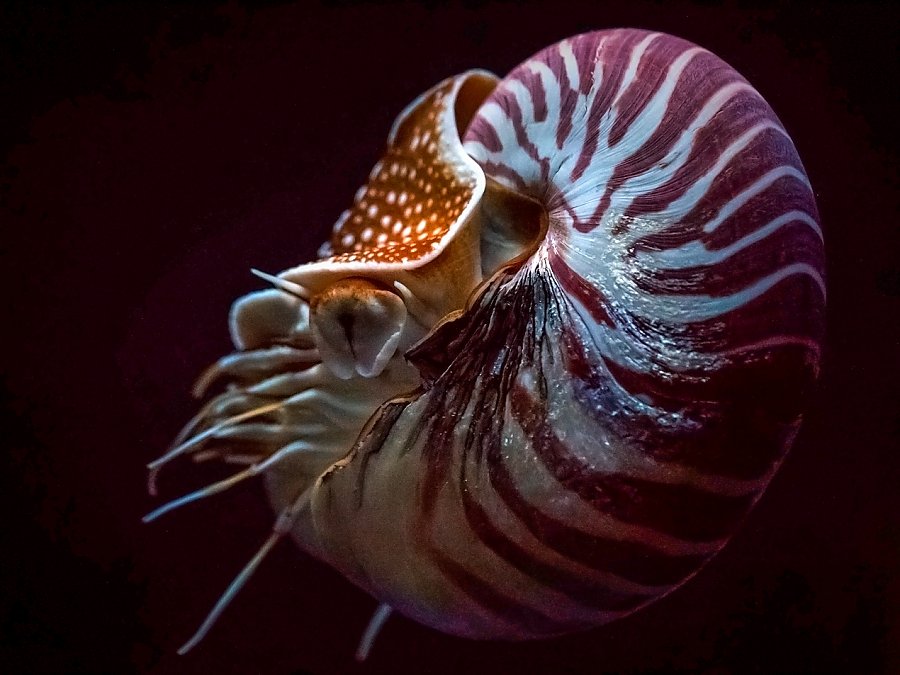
x: 553, y: 353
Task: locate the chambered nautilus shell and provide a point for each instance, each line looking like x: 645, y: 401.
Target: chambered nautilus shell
x: 552, y: 353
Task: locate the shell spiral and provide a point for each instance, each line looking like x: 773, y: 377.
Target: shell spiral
x: 553, y: 353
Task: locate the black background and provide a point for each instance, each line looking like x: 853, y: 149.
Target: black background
x: 154, y: 152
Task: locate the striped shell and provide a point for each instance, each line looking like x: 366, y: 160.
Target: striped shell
x: 551, y: 355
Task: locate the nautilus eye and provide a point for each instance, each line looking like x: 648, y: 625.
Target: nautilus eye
x: 357, y: 327
x: 550, y: 356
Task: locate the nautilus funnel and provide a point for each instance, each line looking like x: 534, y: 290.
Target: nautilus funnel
x: 552, y: 354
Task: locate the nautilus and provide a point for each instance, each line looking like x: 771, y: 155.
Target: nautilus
x: 550, y: 356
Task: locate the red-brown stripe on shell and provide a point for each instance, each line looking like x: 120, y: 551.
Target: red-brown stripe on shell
x: 553, y: 353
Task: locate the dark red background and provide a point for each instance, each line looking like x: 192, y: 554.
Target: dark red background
x: 153, y: 153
